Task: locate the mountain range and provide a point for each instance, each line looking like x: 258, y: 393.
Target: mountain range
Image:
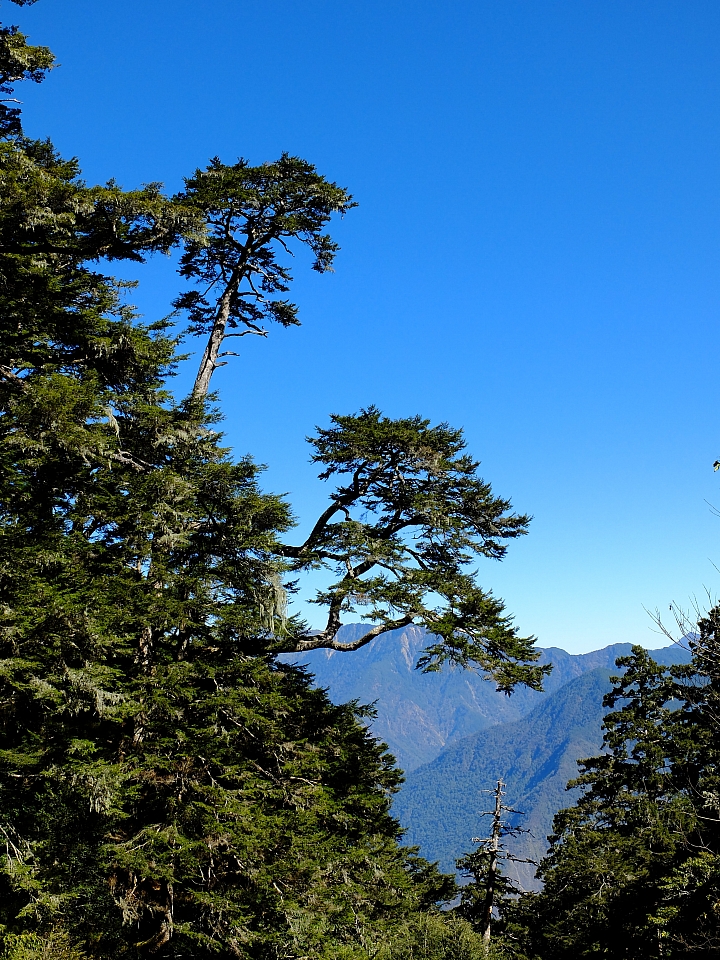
x: 454, y: 736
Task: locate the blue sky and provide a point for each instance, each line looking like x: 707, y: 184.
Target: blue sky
x: 534, y: 257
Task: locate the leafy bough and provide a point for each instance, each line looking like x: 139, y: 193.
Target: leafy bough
x: 403, y: 528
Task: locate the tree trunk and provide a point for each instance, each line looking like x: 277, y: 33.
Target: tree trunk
x: 208, y: 363
x: 494, y: 849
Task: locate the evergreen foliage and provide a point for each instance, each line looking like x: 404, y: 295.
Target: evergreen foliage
x: 634, y: 867
x: 18, y: 61
x: 400, y: 534
x: 167, y: 787
x: 431, y: 936
x: 250, y: 214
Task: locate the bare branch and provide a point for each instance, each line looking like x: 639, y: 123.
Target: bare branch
x: 322, y: 641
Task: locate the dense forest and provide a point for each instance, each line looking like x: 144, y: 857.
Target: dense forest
x: 169, y: 787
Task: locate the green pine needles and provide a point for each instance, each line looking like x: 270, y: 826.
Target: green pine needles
x: 168, y: 788
x: 633, y: 869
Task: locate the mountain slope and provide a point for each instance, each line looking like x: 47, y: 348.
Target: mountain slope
x: 454, y: 735
x: 418, y: 714
x: 441, y: 804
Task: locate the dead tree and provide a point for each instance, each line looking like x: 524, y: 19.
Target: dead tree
x: 489, y: 884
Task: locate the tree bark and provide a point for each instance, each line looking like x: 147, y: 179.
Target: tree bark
x: 494, y: 850
x: 209, y: 363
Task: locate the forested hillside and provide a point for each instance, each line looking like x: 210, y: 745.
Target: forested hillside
x: 441, y: 804
x: 532, y: 740
x: 419, y: 714
x: 168, y: 786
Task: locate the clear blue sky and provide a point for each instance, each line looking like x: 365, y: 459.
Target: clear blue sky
x: 534, y: 258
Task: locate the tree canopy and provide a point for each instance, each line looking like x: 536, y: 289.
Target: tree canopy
x: 168, y: 787
x: 251, y: 213
x: 633, y: 868
x: 403, y: 526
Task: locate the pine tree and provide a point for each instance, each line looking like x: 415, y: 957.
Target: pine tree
x: 251, y: 214
x: 491, y: 889
x: 168, y: 787
x: 634, y: 867
x: 410, y: 514
x: 401, y: 534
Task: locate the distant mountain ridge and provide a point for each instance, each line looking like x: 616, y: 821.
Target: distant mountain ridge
x: 419, y: 715
x: 454, y: 735
x: 441, y: 804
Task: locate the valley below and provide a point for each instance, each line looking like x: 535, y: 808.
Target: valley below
x: 454, y: 736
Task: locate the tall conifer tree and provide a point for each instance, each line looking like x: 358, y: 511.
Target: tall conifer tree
x: 167, y: 787
x: 634, y: 867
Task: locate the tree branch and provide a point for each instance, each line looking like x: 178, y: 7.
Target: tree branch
x: 322, y: 641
